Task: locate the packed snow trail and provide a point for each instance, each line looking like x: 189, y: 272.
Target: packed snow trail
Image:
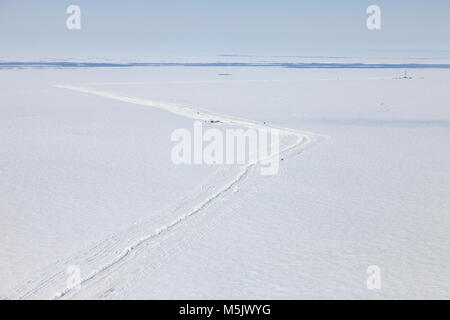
x: 192, y: 113
x: 302, y: 139
x: 165, y: 228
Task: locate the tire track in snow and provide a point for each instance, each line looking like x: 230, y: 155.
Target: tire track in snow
x: 302, y: 139
x: 127, y: 251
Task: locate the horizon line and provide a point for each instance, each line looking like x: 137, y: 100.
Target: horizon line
x: 299, y: 65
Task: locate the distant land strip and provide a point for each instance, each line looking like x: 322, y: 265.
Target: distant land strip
x: 316, y: 65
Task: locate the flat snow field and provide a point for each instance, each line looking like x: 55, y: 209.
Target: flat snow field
x: 87, y: 181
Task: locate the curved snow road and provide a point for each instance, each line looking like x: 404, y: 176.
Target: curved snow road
x: 302, y: 140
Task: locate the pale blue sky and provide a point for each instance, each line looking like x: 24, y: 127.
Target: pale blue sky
x: 139, y: 28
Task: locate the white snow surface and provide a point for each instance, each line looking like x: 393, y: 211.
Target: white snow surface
x: 86, y: 179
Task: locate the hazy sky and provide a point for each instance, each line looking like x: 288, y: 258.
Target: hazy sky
x: 141, y: 28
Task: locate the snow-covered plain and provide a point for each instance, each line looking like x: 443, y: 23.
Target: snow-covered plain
x: 86, y: 179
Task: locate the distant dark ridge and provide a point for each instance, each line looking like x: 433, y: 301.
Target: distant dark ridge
x: 366, y: 65
x: 11, y: 65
